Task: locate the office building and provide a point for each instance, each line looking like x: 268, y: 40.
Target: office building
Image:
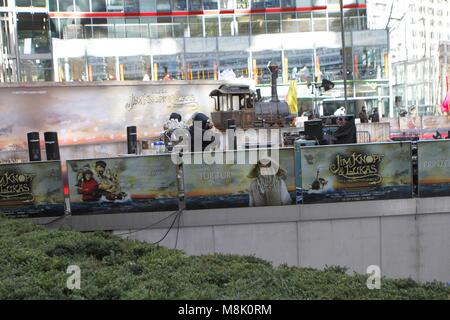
x: 101, y: 40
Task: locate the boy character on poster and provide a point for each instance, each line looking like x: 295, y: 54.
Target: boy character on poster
x: 88, y: 187
x: 268, y: 187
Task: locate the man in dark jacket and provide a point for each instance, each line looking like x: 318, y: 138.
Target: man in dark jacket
x: 375, y: 116
x: 197, y: 132
x: 363, y: 116
x: 346, y: 133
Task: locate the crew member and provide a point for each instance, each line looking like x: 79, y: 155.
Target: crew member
x: 346, y: 133
x: 205, y: 126
x: 375, y: 116
x: 363, y: 117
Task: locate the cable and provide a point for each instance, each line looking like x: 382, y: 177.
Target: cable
x: 170, y: 228
x: 53, y: 221
x: 149, y: 226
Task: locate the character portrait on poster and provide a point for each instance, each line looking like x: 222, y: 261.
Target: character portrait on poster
x: 434, y: 168
x: 118, y: 185
x: 263, y: 183
x: 268, y: 187
x: 355, y: 173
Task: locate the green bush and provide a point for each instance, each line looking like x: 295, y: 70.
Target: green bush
x: 34, y: 261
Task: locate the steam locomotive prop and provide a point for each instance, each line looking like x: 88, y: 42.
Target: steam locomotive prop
x: 240, y: 105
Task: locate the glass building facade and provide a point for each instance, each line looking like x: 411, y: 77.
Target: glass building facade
x: 101, y: 40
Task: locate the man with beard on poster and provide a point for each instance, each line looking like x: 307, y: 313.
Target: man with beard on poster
x: 268, y: 187
x: 107, y: 185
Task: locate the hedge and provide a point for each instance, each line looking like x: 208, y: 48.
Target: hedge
x: 34, y: 261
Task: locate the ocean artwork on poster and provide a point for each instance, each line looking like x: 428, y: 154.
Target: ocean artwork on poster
x: 434, y: 168
x: 123, y: 184
x: 31, y: 190
x: 355, y: 173
x: 265, y: 180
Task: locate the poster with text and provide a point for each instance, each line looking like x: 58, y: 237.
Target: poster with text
x: 31, y: 190
x: 434, y: 168
x: 121, y: 185
x: 356, y: 172
x: 265, y: 178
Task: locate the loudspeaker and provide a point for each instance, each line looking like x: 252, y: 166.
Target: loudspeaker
x: 132, y: 139
x: 34, y: 146
x: 52, y: 146
x: 231, y: 124
x: 314, y: 130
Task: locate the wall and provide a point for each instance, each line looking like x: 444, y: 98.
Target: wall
x: 406, y: 238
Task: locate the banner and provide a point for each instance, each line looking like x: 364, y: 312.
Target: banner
x: 95, y: 113
x: 31, y: 190
x: 354, y: 173
x: 263, y: 179
x: 121, y: 185
x: 434, y: 168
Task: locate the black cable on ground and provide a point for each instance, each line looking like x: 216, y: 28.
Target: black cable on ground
x: 170, y: 228
x: 149, y: 226
x: 52, y: 221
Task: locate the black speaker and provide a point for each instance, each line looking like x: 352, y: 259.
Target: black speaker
x: 52, y: 146
x: 132, y: 139
x: 314, y: 130
x: 231, y: 124
x: 34, y: 146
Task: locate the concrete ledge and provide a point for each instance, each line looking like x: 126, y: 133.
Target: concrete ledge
x: 366, y: 209
x: 433, y: 205
x: 263, y: 215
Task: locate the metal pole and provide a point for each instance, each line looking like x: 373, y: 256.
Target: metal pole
x: 344, y: 56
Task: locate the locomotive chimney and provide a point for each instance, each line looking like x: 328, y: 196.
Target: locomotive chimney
x: 274, y: 73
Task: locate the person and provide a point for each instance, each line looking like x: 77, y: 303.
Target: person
x: 167, y: 75
x: 363, y: 117
x: 375, y: 116
x: 205, y: 126
x: 346, y: 133
x: 108, y: 186
x: 175, y: 122
x: 268, y: 187
x: 88, y: 187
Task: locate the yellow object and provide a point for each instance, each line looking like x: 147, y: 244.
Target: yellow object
x: 291, y: 98
x: 155, y: 71
x: 122, y: 72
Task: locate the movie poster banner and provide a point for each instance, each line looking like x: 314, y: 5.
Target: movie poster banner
x: 355, y: 173
x: 31, y: 190
x: 434, y: 168
x: 123, y: 184
x: 264, y: 178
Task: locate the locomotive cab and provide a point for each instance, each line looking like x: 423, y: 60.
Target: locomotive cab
x: 233, y: 102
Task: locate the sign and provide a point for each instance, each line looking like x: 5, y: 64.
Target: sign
x: 31, y: 190
x: 241, y: 184
x: 121, y: 185
x: 354, y: 173
x: 434, y: 168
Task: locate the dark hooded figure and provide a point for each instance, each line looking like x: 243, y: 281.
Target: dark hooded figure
x: 197, y: 134
x: 346, y: 133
